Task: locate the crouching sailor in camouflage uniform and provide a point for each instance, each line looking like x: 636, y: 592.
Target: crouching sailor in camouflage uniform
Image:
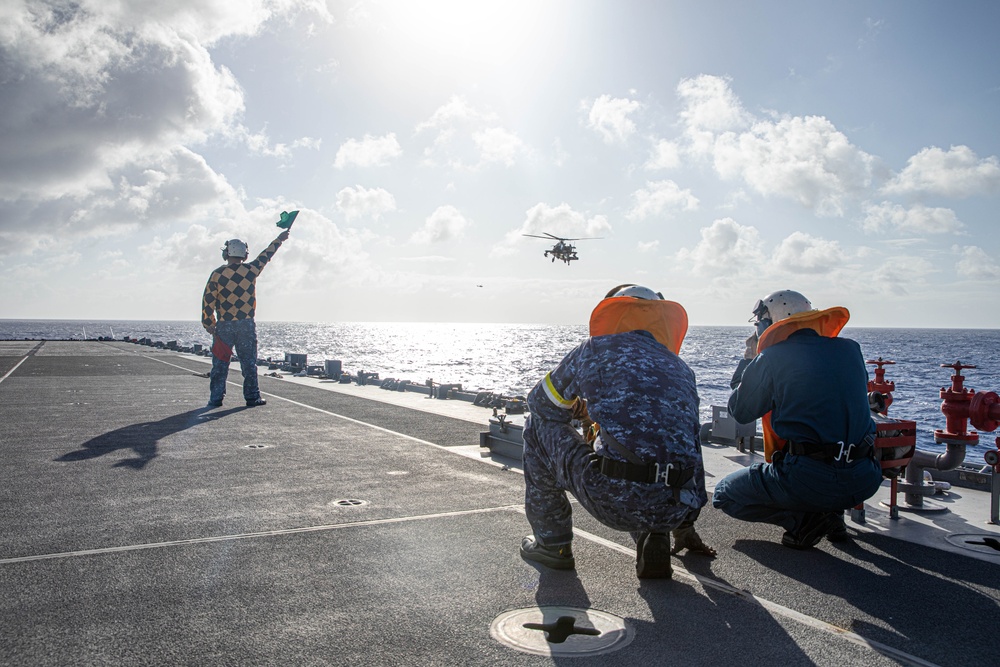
x: 644, y: 472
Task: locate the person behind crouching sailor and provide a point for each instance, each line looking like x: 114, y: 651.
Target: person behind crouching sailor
x: 640, y: 470
x: 811, y: 390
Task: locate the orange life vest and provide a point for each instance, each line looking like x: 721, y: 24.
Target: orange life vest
x: 666, y: 320
x: 828, y: 323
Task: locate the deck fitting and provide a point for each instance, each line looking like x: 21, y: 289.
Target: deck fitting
x: 350, y: 502
x: 985, y: 543
x: 561, y: 631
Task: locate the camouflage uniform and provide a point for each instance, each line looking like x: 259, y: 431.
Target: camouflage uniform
x: 644, y: 396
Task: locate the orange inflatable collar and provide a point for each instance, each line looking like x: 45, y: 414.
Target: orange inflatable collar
x: 828, y: 323
x: 666, y: 320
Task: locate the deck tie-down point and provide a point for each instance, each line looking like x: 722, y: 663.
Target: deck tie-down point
x: 984, y: 543
x: 561, y: 631
x: 556, y: 633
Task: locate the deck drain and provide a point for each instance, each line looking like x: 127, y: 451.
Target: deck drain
x: 254, y: 446
x: 984, y: 543
x: 561, y: 631
x: 350, y: 502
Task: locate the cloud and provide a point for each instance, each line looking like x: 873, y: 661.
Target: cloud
x: 318, y: 253
x: 975, y: 264
x: 803, y: 159
x: 957, y: 172
x: 467, y: 138
x: 444, y: 224
x: 658, y: 197
x: 92, y: 87
x: 105, y: 106
x: 361, y: 202
x: 802, y: 253
x: 899, y: 275
x: 496, y: 144
x: 170, y: 187
x: 609, y: 117
x: 260, y: 143
x: 368, y: 152
x: 664, y: 155
x: 725, y: 247
x: 709, y: 108
x: 648, y: 246
x: 560, y: 220
x: 917, y: 219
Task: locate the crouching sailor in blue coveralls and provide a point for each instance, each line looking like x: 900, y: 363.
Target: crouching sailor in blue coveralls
x: 811, y: 390
x: 644, y: 472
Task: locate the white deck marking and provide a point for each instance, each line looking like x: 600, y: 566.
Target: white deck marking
x: 325, y: 412
x: 772, y: 607
x: 247, y: 536
x: 15, y: 367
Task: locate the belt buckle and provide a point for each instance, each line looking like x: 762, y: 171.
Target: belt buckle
x: 843, y: 454
x: 663, y: 475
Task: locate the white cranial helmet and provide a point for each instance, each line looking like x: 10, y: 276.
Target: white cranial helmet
x: 636, y: 292
x: 781, y: 305
x: 234, y: 248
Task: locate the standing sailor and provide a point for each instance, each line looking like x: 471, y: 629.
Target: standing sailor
x: 231, y: 292
x: 811, y: 389
x: 644, y: 472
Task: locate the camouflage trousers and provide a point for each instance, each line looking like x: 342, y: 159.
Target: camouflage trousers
x: 557, y: 460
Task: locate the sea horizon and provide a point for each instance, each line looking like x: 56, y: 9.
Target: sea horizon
x: 258, y: 320
x: 510, y: 358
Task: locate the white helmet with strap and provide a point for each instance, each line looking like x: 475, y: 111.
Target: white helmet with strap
x: 635, y: 291
x: 781, y: 305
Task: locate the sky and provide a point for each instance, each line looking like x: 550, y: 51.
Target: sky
x: 718, y: 151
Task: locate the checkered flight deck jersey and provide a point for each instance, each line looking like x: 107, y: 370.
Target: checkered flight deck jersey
x: 231, y: 289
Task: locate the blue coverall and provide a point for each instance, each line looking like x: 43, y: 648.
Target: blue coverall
x: 816, y: 389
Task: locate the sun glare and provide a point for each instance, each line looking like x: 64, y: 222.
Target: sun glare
x: 473, y: 32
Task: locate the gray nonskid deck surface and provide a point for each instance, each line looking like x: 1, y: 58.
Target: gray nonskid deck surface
x: 142, y: 528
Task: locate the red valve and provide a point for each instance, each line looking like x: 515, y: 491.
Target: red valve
x: 879, y: 384
x: 984, y: 411
x: 956, y: 409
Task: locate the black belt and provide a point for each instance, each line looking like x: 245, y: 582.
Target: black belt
x: 648, y: 473
x: 834, y: 452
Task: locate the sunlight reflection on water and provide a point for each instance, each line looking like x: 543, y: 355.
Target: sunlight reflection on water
x: 511, y: 358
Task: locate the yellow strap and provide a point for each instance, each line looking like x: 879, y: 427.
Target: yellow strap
x: 554, y: 395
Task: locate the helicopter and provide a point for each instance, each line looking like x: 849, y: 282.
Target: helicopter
x: 562, y: 249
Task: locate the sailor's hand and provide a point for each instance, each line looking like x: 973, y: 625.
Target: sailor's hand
x: 283, y: 236
x: 751, y: 350
x: 210, y: 329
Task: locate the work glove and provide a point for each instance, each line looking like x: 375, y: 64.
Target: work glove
x: 751, y: 350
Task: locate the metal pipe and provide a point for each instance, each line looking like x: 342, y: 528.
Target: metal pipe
x: 953, y: 456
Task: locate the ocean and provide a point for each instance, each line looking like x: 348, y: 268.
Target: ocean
x: 511, y: 358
